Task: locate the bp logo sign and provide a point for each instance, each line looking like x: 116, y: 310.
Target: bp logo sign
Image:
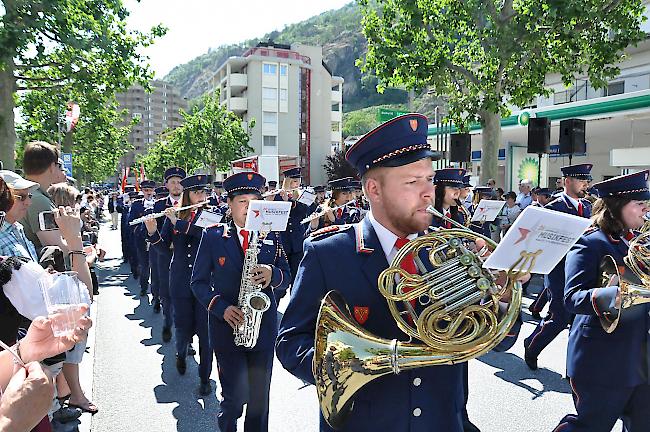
x: 528, y: 169
x: 523, y: 118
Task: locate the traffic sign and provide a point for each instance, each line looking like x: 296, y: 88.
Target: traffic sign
x: 67, y: 163
x: 385, y: 114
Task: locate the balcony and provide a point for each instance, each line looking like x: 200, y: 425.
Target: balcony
x: 336, y: 136
x: 336, y: 96
x: 336, y: 116
x: 238, y: 105
x: 238, y: 81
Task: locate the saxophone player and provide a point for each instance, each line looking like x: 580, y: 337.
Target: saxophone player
x: 244, y: 374
x: 394, y: 160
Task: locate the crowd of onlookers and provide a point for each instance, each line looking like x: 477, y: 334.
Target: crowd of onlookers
x: 47, y: 389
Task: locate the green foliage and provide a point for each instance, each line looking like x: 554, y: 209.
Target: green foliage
x: 97, y: 142
x: 486, y: 54
x: 211, y: 137
x: 337, y: 167
x: 79, y: 47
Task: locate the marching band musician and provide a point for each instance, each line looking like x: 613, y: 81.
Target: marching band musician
x: 122, y: 207
x: 244, y: 374
x: 320, y: 199
x: 481, y: 193
x: 449, y: 182
x: 608, y: 371
x: 133, y: 255
x: 341, y: 195
x: 138, y: 208
x: 294, y: 235
x: 394, y: 160
x: 160, y: 193
x: 571, y: 201
x: 163, y: 257
x: 190, y: 317
x: 465, y: 195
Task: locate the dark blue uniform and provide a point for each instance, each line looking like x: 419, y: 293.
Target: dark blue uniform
x: 558, y: 317
x: 123, y: 209
x: 139, y: 234
x: 609, y: 371
x: 294, y: 235
x: 162, y: 258
x: 346, y: 215
x: 190, y: 317
x: 349, y: 259
x: 244, y: 374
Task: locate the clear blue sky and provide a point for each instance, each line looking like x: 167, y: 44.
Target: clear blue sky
x: 196, y: 25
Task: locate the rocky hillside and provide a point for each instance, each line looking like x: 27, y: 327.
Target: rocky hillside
x: 338, y: 31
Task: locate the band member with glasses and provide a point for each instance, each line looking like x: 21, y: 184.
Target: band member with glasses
x: 244, y: 373
x: 180, y: 231
x: 608, y: 370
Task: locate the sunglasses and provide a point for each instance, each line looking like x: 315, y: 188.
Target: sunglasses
x: 23, y: 197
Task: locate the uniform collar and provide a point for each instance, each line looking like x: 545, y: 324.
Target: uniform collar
x: 386, y: 237
x: 574, y: 202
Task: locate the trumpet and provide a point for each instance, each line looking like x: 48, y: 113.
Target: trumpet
x: 161, y: 214
x: 322, y: 213
x: 277, y: 191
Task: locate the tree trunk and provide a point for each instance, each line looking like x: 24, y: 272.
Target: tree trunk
x: 67, y: 141
x: 491, y: 124
x: 7, y: 126
x: 213, y: 171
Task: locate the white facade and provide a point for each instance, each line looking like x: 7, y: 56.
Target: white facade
x: 293, y: 97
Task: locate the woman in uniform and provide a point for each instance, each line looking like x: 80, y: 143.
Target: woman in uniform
x: 342, y: 194
x: 608, y: 371
x: 184, y: 235
x: 449, y: 182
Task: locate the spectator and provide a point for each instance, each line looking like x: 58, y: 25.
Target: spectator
x: 510, y: 212
x: 63, y: 195
x: 491, y: 183
x: 559, y: 185
x: 112, y: 209
x: 28, y: 393
x: 15, y: 199
x: 524, y: 197
x: 544, y: 196
x: 499, y: 194
x: 41, y: 164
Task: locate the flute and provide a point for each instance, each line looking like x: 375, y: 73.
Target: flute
x: 322, y: 213
x: 277, y: 191
x: 163, y: 213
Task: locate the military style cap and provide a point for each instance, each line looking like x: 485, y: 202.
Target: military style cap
x: 199, y: 181
x: 161, y: 190
x: 244, y: 183
x: 466, y: 182
x: 175, y: 172
x: 632, y: 186
x: 149, y: 184
x: 341, y: 184
x: 292, y: 173
x: 400, y: 141
x: 450, y: 177
x: 581, y: 171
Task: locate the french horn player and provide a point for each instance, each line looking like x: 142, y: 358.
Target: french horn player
x: 375, y: 303
x: 607, y: 287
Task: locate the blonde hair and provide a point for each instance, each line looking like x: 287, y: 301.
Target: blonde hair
x: 63, y: 194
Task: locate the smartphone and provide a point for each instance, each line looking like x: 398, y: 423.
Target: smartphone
x: 46, y: 221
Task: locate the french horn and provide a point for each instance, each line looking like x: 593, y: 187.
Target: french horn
x: 461, y: 311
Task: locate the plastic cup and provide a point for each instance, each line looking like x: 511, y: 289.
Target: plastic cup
x: 62, y: 294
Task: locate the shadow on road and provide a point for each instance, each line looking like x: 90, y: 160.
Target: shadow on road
x: 194, y: 413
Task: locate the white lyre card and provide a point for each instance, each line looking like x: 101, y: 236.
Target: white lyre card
x: 267, y: 215
x: 307, y: 197
x: 208, y: 218
x: 547, y: 232
x: 487, y: 210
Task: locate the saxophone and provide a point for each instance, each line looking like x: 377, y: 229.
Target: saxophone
x: 252, y: 301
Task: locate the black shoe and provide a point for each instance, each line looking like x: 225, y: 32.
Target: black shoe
x: 181, y: 366
x: 536, y: 315
x: 190, y: 350
x: 468, y: 426
x: 166, y: 334
x: 205, y: 388
x: 156, y: 305
x: 530, y: 359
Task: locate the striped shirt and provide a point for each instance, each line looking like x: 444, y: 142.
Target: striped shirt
x: 13, y: 241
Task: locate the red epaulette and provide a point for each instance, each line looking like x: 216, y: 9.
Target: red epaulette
x: 329, y: 229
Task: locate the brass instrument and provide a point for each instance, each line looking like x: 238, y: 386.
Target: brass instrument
x: 461, y: 317
x: 162, y: 213
x: 322, y: 213
x: 633, y: 279
x: 466, y: 214
x: 646, y: 225
x: 252, y: 300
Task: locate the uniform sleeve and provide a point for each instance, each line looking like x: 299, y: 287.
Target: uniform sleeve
x: 281, y: 276
x: 201, y: 282
x: 582, y: 270
x: 295, y: 343
x: 162, y: 239
x: 188, y: 228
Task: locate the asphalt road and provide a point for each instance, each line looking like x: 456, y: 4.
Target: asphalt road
x: 137, y: 388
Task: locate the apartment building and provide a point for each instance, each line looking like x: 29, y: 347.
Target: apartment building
x: 294, y: 98
x: 156, y: 112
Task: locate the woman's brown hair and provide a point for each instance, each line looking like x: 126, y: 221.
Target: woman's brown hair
x: 607, y: 215
x: 185, y: 201
x: 6, y: 197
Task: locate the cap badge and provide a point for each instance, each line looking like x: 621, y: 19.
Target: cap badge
x: 414, y: 124
x: 250, y: 177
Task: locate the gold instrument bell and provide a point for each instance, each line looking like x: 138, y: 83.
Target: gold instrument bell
x: 633, y: 279
x: 463, y: 312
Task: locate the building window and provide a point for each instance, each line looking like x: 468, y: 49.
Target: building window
x: 284, y: 95
x: 270, y: 118
x: 269, y: 93
x: 270, y: 141
x: 283, y: 70
x: 270, y: 69
x: 615, y: 88
x: 136, y: 115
